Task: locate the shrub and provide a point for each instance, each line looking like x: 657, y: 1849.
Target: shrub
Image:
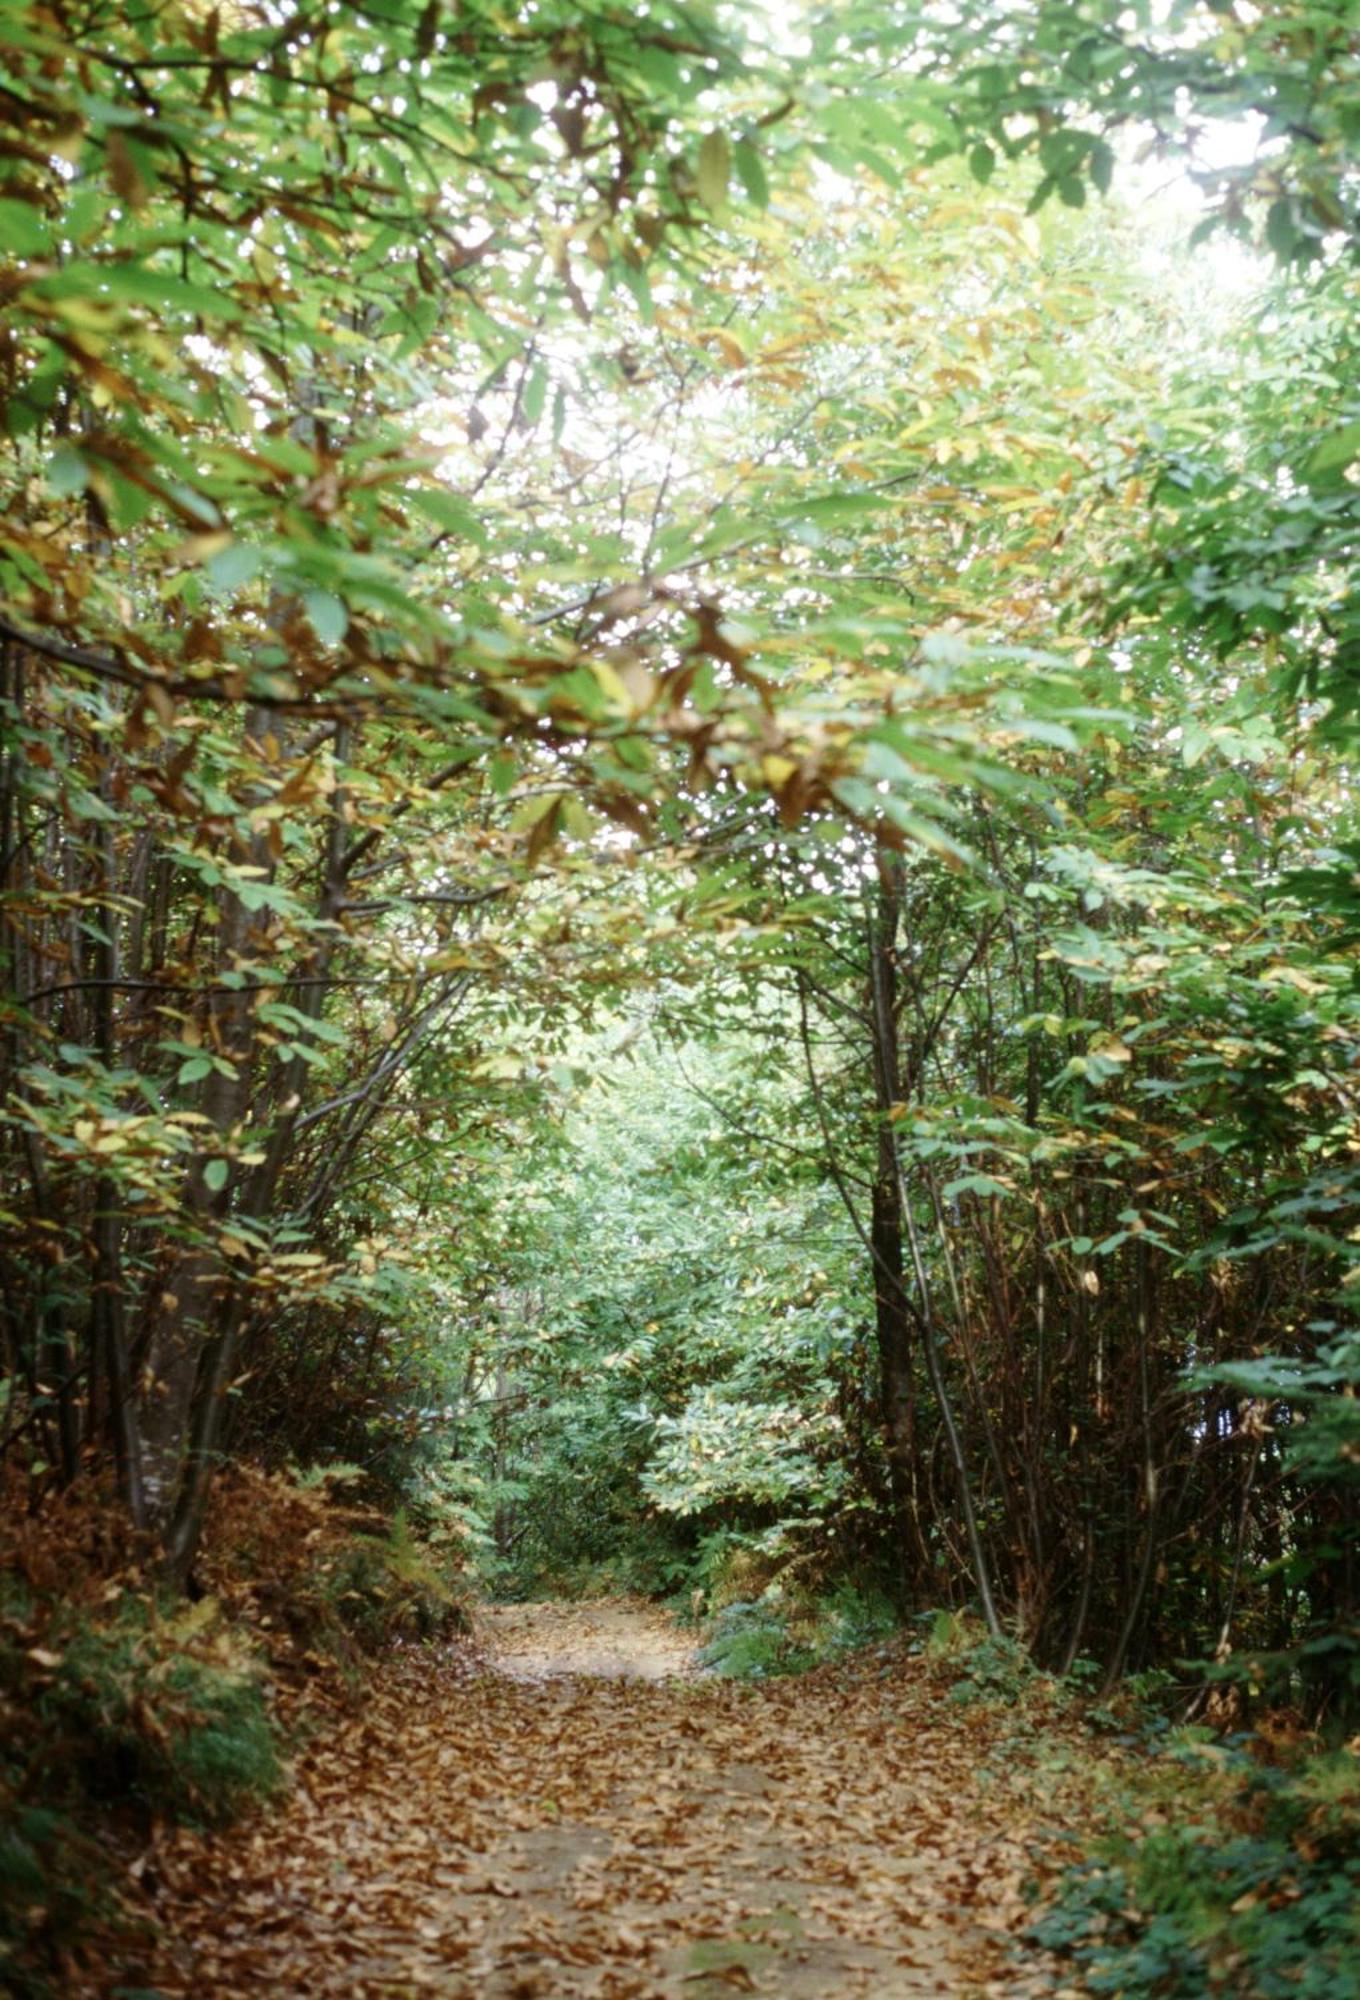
x: 104, y: 1705
x: 751, y: 1640
x: 321, y: 1580
x: 169, y: 1715
x: 1257, y: 1893
x: 389, y: 1586
x: 53, y: 1889
x: 983, y: 1667
x: 778, y: 1634
x: 111, y: 1697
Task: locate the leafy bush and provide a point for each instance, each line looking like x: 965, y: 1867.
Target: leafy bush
x: 985, y: 1668
x: 391, y: 1585
x: 53, y: 1889
x: 113, y: 1697
x: 321, y: 1580
x: 170, y: 1716
x: 753, y: 1639
x: 1257, y: 1895
x: 113, y: 1704
x: 1138, y: 1708
x: 854, y: 1615
x: 648, y: 1559
x: 1316, y: 1411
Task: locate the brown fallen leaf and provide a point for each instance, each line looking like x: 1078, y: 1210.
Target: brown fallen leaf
x: 577, y: 1825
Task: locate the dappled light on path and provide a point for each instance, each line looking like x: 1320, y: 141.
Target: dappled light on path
x: 568, y: 1808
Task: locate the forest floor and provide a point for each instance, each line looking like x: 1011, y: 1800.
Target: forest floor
x: 566, y: 1806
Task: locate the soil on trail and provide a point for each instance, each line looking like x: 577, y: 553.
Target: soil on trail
x: 609, y: 1637
x: 569, y: 1808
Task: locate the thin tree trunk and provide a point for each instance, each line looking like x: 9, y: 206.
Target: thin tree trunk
x: 892, y: 1306
x: 882, y: 946
x: 108, y: 1344
x: 1133, y: 1617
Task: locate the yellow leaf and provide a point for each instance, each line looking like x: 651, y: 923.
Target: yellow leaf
x: 611, y: 682
x: 1290, y: 975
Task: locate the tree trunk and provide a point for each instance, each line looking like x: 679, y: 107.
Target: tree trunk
x: 883, y: 929
x: 893, y: 1326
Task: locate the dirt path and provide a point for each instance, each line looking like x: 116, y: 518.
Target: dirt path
x: 577, y: 1812
x: 611, y: 1637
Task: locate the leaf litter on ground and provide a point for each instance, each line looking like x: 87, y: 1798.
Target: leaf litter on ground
x: 566, y: 1807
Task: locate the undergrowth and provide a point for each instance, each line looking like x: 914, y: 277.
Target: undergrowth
x: 1220, y: 1873
x: 121, y: 1708
x: 982, y: 1666
x: 777, y: 1633
x: 164, y: 1714
x: 651, y: 1562
x: 1210, y: 1865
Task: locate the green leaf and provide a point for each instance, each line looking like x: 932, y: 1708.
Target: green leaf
x: 327, y: 616
x: 1280, y: 232
x: 195, y: 1069
x: 145, y: 287
x: 831, y: 509
x: 234, y: 566
x: 1332, y: 453
x: 638, y: 283
x: 67, y: 472
x: 714, y: 170
x: 535, y: 395
x: 879, y: 164
x: 23, y: 232
x: 751, y: 172
x: 982, y: 162
x: 975, y: 1184
x: 215, y: 1175
x: 450, y: 513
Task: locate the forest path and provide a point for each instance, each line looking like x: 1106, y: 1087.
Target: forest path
x: 569, y: 1809
x: 608, y: 1636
